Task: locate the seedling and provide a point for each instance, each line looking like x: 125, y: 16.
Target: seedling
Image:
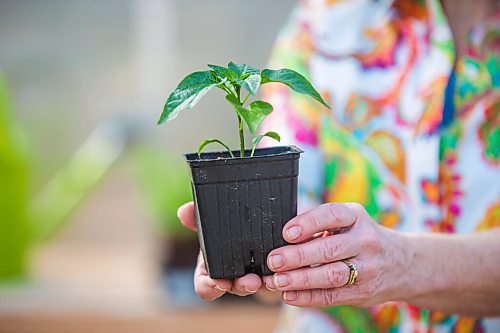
x: 235, y: 80
x: 241, y: 204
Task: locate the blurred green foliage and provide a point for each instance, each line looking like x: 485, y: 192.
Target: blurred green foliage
x: 165, y: 181
x: 53, y: 206
x: 15, y: 230
x: 25, y: 220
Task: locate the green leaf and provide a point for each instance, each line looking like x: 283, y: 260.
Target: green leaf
x: 224, y: 72
x: 253, y: 115
x: 251, y: 83
x: 294, y: 80
x: 258, y: 138
x: 187, y: 94
x: 270, y: 134
x: 248, y: 76
x: 209, y: 141
x: 242, y: 70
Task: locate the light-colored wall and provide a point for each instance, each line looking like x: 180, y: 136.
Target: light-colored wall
x: 74, y: 64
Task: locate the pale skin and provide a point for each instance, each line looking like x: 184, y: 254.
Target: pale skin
x: 455, y: 274
x: 210, y: 289
x: 449, y: 273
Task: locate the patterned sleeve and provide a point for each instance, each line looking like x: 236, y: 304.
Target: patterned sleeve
x: 295, y: 116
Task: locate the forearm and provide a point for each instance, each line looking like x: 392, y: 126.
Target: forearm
x: 454, y: 273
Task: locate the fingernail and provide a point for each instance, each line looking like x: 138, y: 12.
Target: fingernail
x: 294, y: 232
x: 250, y: 291
x: 269, y: 288
x: 221, y: 289
x: 275, y: 261
x: 290, y: 295
x: 281, y: 280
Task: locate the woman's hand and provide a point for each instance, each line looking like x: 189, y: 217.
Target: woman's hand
x: 311, y: 272
x: 210, y: 289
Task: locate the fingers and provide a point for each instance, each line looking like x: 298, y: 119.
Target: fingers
x: 328, y: 276
x: 355, y: 294
x: 322, y: 286
x: 317, y: 251
x: 206, y: 287
x: 210, y: 289
x: 186, y: 215
x: 310, y: 272
x: 325, y: 217
x: 246, y: 285
x: 319, y: 297
x: 268, y: 282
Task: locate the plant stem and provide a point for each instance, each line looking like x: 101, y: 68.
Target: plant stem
x: 245, y: 99
x: 253, y: 150
x: 240, y: 126
x: 242, y: 137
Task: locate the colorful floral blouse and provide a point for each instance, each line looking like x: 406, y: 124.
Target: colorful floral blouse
x: 412, y: 137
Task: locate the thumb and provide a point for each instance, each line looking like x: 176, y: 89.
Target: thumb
x: 186, y: 215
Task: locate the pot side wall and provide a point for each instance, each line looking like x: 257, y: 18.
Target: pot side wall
x: 241, y: 208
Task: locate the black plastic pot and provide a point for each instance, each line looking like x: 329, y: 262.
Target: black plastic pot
x: 242, y: 205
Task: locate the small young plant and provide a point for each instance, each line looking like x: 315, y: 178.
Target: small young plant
x: 236, y: 80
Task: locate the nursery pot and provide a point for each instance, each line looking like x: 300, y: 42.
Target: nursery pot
x: 241, y: 206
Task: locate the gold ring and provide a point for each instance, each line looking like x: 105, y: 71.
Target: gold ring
x: 353, y: 272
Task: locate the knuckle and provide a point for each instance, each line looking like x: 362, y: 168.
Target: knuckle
x: 317, y: 297
x: 333, y: 211
x: 306, y: 280
x: 315, y: 221
x: 300, y: 256
x: 332, y: 277
x: 336, y: 277
x: 307, y: 297
x: 330, y: 250
x: 357, y: 208
x: 328, y: 296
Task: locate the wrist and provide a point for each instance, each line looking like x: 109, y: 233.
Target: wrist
x: 406, y: 272
x: 424, y: 268
x: 412, y: 269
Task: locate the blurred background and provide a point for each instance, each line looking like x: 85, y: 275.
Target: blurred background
x: 89, y: 185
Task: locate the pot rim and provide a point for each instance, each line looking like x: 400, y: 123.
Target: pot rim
x: 223, y: 156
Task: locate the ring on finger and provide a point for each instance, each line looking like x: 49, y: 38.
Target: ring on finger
x: 353, y: 272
